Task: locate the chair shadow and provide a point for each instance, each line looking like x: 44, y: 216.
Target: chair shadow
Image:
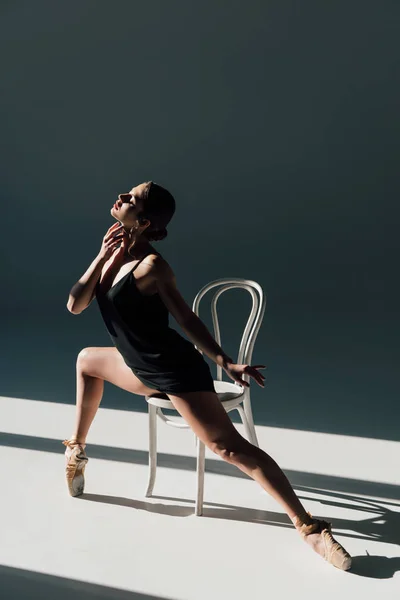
x: 384, y: 527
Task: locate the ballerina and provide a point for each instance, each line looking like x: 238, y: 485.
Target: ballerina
x: 136, y: 290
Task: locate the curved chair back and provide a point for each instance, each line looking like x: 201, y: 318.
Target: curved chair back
x: 253, y: 322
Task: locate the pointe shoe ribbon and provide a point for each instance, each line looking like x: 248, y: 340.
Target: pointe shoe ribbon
x: 75, y: 454
x: 72, y: 443
x: 305, y: 529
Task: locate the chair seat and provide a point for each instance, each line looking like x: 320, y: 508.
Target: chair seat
x: 229, y: 393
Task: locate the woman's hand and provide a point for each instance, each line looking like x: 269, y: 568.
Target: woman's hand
x: 235, y: 372
x: 114, y: 242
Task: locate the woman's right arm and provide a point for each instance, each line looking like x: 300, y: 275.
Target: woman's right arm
x: 82, y: 293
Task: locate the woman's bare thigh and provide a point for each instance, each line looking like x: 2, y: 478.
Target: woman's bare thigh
x: 204, y: 413
x: 107, y: 363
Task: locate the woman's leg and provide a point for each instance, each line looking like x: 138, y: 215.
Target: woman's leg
x: 95, y: 365
x: 207, y: 417
x: 89, y: 392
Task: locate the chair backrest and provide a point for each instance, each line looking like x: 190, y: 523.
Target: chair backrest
x: 253, y: 322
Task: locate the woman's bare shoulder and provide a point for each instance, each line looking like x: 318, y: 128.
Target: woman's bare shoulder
x: 160, y: 268
x: 160, y: 263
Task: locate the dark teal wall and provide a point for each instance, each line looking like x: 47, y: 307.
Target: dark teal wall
x: 274, y: 124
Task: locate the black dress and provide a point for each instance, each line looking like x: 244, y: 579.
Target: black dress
x: 139, y: 328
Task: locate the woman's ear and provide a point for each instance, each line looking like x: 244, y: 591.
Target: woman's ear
x: 144, y: 221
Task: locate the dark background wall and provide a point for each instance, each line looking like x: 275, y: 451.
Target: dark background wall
x: 274, y: 124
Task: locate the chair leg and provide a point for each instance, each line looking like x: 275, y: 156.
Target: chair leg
x: 248, y: 427
x: 201, y: 460
x: 250, y: 421
x: 152, y: 449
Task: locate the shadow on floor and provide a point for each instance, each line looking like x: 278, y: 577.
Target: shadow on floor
x: 20, y: 584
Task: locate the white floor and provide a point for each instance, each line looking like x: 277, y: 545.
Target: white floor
x: 112, y: 542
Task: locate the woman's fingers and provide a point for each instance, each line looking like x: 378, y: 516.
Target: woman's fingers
x: 255, y: 367
x: 237, y: 372
x: 259, y: 377
x: 259, y: 380
x: 115, y: 226
x: 113, y: 232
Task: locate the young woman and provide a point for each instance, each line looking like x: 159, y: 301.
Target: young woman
x: 136, y: 289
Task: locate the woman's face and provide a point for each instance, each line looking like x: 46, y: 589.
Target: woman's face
x: 128, y: 206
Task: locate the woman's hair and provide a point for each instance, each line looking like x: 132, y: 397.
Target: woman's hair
x: 158, y: 206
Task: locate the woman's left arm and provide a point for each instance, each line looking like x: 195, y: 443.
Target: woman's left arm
x: 196, y: 330
x: 194, y: 327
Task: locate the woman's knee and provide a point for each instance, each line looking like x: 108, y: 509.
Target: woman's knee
x: 83, y: 357
x: 96, y: 361
x: 236, y: 450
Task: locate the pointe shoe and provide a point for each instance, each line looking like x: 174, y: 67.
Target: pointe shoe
x: 76, y: 459
x: 329, y: 549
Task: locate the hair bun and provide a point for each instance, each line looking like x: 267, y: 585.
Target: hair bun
x: 159, y: 234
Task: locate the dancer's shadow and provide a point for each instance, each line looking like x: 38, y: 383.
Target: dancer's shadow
x: 163, y: 509
x: 376, y: 567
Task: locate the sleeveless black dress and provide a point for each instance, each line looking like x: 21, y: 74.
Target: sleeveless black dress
x: 139, y: 328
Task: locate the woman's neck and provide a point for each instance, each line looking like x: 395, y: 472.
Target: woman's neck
x: 138, y: 250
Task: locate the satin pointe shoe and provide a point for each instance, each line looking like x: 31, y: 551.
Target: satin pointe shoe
x: 326, y: 546
x: 75, y: 463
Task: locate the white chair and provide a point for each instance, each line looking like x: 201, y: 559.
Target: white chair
x: 232, y: 395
